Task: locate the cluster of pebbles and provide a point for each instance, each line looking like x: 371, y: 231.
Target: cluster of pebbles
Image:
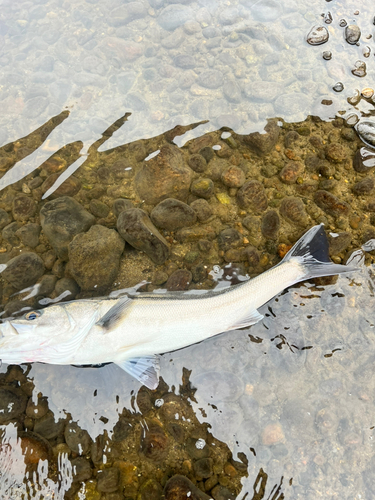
x: 153, y: 211
x: 161, y: 449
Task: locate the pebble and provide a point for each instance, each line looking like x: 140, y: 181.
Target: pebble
x: 37, y: 410
x: 360, y: 69
x: 126, y: 13
x: 211, y: 79
x: 47, y: 285
x: 82, y: 469
x: 366, y: 132
x: 179, y: 280
x: 318, y: 35
x: 61, y: 220
x: 173, y: 214
x: 233, y: 177
x: 99, y: 209
x: 222, y: 493
x: 69, y: 187
x: 336, y: 153
x: 271, y: 225
x: 29, y: 235
x: 12, y: 404
x: 77, y: 439
x: 66, y: 284
x: 120, y: 205
x: 293, y: 209
x: 203, y: 468
x: 272, y: 434
x: 108, y: 480
x: 330, y: 204
x: 198, y: 163
x: 195, y: 233
x: 173, y: 16
x: 24, y: 270
x: 154, y: 442
x: 168, y: 175
x: 339, y: 243
x: 203, y: 188
x: 290, y: 172
x: 34, y: 447
x: 265, y: 142
x: 202, y: 209
x: 181, y: 488
x: 9, y: 233
x: 327, y: 55
x: 23, y: 208
x: 352, y: 34
x: 94, y: 257
x: 137, y: 229
x: 364, y: 187
x: 228, y: 238
x: 4, y: 218
x: 252, y: 196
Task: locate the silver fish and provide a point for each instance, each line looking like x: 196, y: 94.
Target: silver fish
x: 130, y: 331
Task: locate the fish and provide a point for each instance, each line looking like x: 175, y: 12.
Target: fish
x: 133, y: 330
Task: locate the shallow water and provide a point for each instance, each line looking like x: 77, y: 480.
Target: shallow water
x: 288, y: 402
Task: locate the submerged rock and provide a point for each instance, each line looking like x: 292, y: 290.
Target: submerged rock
x: 173, y: 214
x: 24, y: 270
x: 330, y: 203
x: 253, y: 196
x: 317, y: 35
x: 352, y: 34
x: 12, y: 403
x: 263, y: 143
x: 181, y: 488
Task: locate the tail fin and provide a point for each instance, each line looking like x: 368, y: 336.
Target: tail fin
x: 311, y: 251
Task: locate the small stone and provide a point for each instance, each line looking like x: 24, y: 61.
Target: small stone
x: 330, y: 203
x: 154, y: 442
x: 272, y: 434
x: 9, y: 233
x: 67, y: 285
x: 29, y: 234
x: 252, y: 196
x: 211, y: 79
x: 159, y: 278
x: 197, y: 163
x: 317, y: 35
x: 364, y: 187
x: 24, y: 270
x: 290, y: 172
x: 69, y: 187
x: 327, y: 55
x: 108, y: 480
x: 77, y: 439
x: 4, y: 218
x: 202, y: 209
x: 199, y: 273
x: 37, y: 410
x: 271, y: 225
x: 195, y: 233
x: 203, y: 188
x: 99, y: 209
x: 293, y: 209
x: 47, y: 285
x: 265, y: 142
x: 205, y: 245
x: 150, y: 490
x: 222, y: 493
x: 12, y: 404
x: 233, y: 177
x: 137, y: 229
x: 339, y: 243
x: 179, y: 280
x: 360, y: 69
x: 23, y: 208
x: 82, y: 469
x: 336, y: 153
x: 120, y: 205
x: 203, y: 468
x: 352, y: 34
x: 181, y: 488
x: 35, y: 448
x: 338, y: 87
x: 229, y: 238
x: 173, y: 214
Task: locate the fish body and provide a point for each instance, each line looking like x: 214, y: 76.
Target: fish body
x: 131, y: 330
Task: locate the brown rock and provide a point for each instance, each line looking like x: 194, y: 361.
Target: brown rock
x: 270, y: 225
x: 23, y: 208
x: 233, y: 177
x: 272, y: 434
x: 263, y: 143
x: 154, y: 441
x: 179, y: 280
x: 173, y: 214
x: 293, y: 209
x: 290, y: 172
x: 179, y: 487
x: 34, y: 447
x: 330, y: 203
x: 363, y: 187
x: 336, y: 153
x: 69, y: 187
x: 252, y: 196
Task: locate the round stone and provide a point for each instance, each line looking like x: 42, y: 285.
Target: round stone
x: 23, y: 208
x: 233, y: 177
x: 352, y: 34
x: 203, y: 188
x: 24, y: 270
x: 173, y: 214
x: 318, y: 35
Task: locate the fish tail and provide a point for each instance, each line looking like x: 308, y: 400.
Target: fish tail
x: 311, y: 252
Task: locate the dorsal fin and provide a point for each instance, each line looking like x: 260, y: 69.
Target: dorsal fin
x: 114, y: 314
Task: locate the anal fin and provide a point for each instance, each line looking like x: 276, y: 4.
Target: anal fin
x: 248, y: 320
x: 145, y: 370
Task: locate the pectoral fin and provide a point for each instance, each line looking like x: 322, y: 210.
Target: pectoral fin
x: 145, y: 369
x: 250, y: 319
x: 114, y: 314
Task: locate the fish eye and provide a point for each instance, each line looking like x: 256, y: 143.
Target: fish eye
x: 32, y: 315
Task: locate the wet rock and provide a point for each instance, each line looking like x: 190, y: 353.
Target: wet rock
x: 363, y: 187
x: 360, y: 69
x: 270, y: 225
x: 199, y: 273
x: 154, y: 442
x: 99, y: 209
x: 366, y: 132
x: 203, y: 188
x: 23, y: 208
x: 229, y: 238
x: 126, y: 13
x: 252, y: 196
x: 233, y: 177
x: 150, y: 490
x: 9, y: 233
x: 222, y: 493
x: 272, y: 434
x: 47, y: 285
x: 29, y: 235
x: 338, y: 87
x: 61, y: 220
x: 173, y: 16
x: 202, y: 209
x: 66, y: 285
x: 108, y: 480
x: 197, y: 163
x: 326, y: 421
x: 12, y: 403
x: 339, y: 243
x: 179, y: 280
x: 164, y: 176
x: 137, y: 229
x: 82, y: 469
x: 265, y: 142
x: 195, y: 233
x: 330, y: 203
x: 94, y: 257
x: 34, y: 447
x: 203, y: 468
x: 352, y: 34
x: 37, y: 410
x: 173, y: 214
x: 69, y: 187
x: 120, y: 205
x: 77, y: 439
x: 336, y: 153
x: 179, y: 487
x: 293, y: 209
x: 211, y: 79
x: 122, y: 429
x: 24, y: 270
x: 290, y: 172
x: 159, y: 278
x: 317, y: 35
x: 4, y: 218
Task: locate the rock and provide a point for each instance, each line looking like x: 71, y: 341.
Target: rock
x: 77, y: 439
x: 317, y: 35
x: 331, y: 204
x: 4, y: 218
x: 99, y: 209
x: 150, y: 490
x: 290, y: 172
x: 23, y: 208
x: 12, y: 403
x: 164, y: 176
x: 34, y: 447
x: 363, y: 187
x: 179, y: 280
x: 352, y: 34
x: 94, y: 257
x: 233, y: 177
x: 108, y: 480
x: 126, y: 13
x: 203, y: 188
x: 37, y: 410
x: 229, y: 238
x: 202, y: 209
x: 197, y: 163
x: 195, y: 233
x: 29, y: 234
x: 336, y: 153
x: 122, y: 429
x: 203, y: 468
x: 252, y: 196
x: 82, y: 469
x: 293, y: 209
x: 338, y: 244
x: 173, y: 16
x: 271, y: 225
x: 61, y: 220
x: 69, y: 187
x: 173, y: 214
x: 272, y: 434
x: 9, y: 233
x: 154, y: 441
x: 24, y: 270
x: 137, y: 229
x: 263, y: 143
x: 211, y: 79
x: 120, y: 205
x: 360, y: 69
x: 179, y: 487
x: 222, y: 493
x: 366, y: 132
x: 67, y: 284
x: 47, y: 285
